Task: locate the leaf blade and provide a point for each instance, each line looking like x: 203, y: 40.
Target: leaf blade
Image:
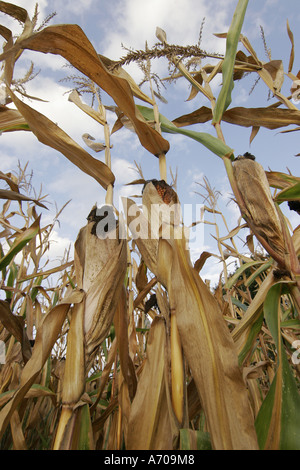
x: 224, y: 98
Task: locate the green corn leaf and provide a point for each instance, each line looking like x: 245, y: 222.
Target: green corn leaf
x: 233, y: 279
x: 21, y: 240
x: 289, y: 194
x: 250, y: 339
x: 194, y: 440
x: 277, y: 423
x: 210, y: 142
x: 224, y: 98
x: 85, y: 430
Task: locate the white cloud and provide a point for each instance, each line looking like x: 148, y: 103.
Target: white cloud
x: 59, y: 245
x: 136, y: 21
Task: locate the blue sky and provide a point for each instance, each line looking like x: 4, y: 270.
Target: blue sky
x: 132, y: 22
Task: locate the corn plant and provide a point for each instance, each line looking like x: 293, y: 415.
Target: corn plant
x: 132, y: 349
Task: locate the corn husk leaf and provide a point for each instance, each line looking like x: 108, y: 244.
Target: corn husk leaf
x: 262, y: 215
x: 277, y: 423
x: 203, y: 334
x: 100, y: 267
x: 70, y: 42
x: 9, y: 179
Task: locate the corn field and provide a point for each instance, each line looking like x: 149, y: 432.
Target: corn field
x: 123, y: 346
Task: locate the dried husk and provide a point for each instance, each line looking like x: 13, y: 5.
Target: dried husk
x: 261, y: 215
x: 100, y: 267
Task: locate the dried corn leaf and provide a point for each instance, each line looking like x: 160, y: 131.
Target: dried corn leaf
x: 214, y: 144
x: 211, y: 356
x: 14, y: 196
x: 154, y: 429
x: 200, y: 261
x: 270, y: 118
x: 20, y: 241
x: 275, y: 69
x: 46, y: 336
x: 47, y: 273
x: 50, y: 134
x: 194, y: 440
x: 121, y: 328
x: 12, y: 120
x: 15, y: 11
x: 70, y: 42
x: 296, y: 240
x: 281, y: 180
x: 206, y: 342
x: 16, y: 326
x: 96, y: 115
x: 121, y: 73
x: 90, y: 141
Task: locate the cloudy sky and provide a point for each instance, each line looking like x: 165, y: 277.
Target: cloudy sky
x: 108, y: 25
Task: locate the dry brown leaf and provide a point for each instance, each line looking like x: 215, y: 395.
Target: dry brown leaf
x: 154, y: 429
x: 292, y: 54
x: 271, y: 118
x: 70, y: 42
x: 16, y: 196
x: 200, y: 261
x: 96, y: 115
x: 11, y: 120
x: 15, y: 11
x: 16, y: 326
x: 120, y: 72
x: 50, y: 134
x: 90, y: 141
x: 46, y: 336
x: 211, y: 355
x: 10, y: 180
x: 206, y: 342
x: 275, y: 69
x: 121, y: 328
